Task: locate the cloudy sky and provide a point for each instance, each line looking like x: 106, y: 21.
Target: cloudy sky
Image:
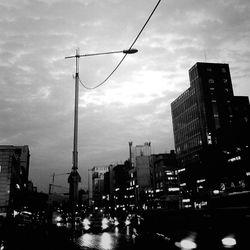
x: 37, y: 87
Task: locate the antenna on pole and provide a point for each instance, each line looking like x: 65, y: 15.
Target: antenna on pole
x: 205, y: 55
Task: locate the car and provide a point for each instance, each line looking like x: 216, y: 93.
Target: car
x: 97, y: 222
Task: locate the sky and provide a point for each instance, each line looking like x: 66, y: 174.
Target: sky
x: 37, y: 84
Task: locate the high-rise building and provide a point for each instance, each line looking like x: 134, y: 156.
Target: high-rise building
x: 210, y: 127
x: 98, y: 183
x: 140, y: 174
x: 14, y: 171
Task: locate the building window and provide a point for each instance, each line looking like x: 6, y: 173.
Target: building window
x: 209, y: 138
x: 209, y: 69
x: 173, y: 189
x: 181, y: 170
x: 168, y: 172
x: 172, y: 178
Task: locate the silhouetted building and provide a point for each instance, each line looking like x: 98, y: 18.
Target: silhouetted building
x: 210, y: 131
x: 166, y: 184
x: 140, y: 174
x: 120, y: 182
x: 98, y: 183
x: 14, y: 172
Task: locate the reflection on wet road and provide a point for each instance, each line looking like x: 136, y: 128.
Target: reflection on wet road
x: 105, y: 241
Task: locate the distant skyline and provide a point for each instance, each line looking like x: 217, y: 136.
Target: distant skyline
x: 37, y: 87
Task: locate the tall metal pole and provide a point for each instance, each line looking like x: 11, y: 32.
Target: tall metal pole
x: 75, y: 152
x: 74, y: 177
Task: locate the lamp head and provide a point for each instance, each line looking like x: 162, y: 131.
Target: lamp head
x: 130, y: 51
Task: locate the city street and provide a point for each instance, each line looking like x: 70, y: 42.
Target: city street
x: 186, y: 229
x: 105, y: 241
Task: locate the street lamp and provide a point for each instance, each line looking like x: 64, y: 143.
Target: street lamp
x: 125, y: 51
x: 74, y: 177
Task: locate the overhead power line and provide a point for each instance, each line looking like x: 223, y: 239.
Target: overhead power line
x: 133, y: 43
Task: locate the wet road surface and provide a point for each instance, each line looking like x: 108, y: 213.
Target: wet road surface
x: 105, y: 241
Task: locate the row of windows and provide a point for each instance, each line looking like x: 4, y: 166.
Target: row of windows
x: 186, y: 94
x: 183, y: 106
x: 185, y: 118
x: 187, y: 132
x: 223, y: 70
x: 159, y: 185
x: 189, y: 145
x: 167, y: 173
x: 211, y: 81
x: 193, y: 73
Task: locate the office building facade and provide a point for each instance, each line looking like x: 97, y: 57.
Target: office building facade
x: 206, y: 119
x: 14, y: 171
x: 166, y: 183
x: 98, y: 173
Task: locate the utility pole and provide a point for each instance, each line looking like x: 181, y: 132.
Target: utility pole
x: 74, y: 177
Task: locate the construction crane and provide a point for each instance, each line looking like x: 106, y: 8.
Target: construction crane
x: 52, y: 185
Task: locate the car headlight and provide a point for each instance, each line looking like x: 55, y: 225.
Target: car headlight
x: 116, y: 222
x: 86, y: 223
x: 229, y: 241
x: 105, y: 223
x: 58, y: 219
x: 186, y: 244
x: 127, y: 222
